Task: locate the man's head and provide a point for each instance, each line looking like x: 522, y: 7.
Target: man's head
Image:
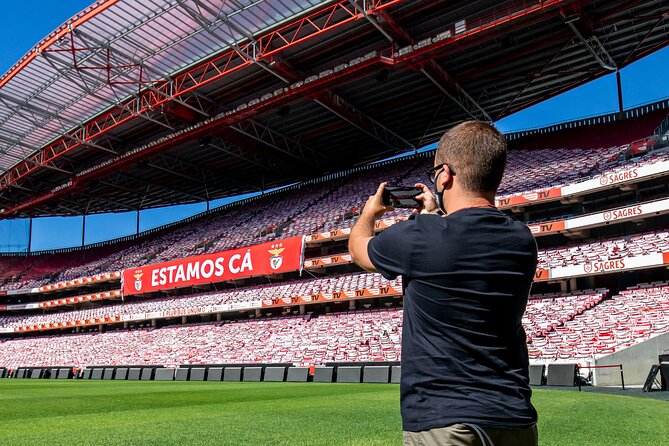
x: 476, y: 154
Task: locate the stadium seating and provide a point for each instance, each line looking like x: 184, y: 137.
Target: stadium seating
x: 286, y: 289
x: 571, y: 326
x: 545, y: 313
x: 558, y: 326
x: 309, y: 209
x: 613, y: 249
x: 563, y: 326
x: 372, y: 335
x: 633, y: 316
x: 606, y: 250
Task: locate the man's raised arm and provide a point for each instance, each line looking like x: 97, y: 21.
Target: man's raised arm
x: 363, y: 230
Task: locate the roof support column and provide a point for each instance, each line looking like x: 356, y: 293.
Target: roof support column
x: 30, y: 233
x: 619, y: 85
x: 83, y: 230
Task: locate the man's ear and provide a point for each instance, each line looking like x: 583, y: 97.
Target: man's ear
x: 446, y: 177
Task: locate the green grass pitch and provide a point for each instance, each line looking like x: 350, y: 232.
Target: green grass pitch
x: 190, y: 413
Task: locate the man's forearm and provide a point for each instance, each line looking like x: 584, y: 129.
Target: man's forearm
x: 363, y: 230
x: 364, y: 227
x: 361, y: 234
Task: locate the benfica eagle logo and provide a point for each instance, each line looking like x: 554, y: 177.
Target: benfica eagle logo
x: 138, y: 280
x: 276, y: 260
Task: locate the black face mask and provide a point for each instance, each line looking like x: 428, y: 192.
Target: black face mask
x: 439, y: 196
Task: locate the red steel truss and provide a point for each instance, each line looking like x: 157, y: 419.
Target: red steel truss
x: 263, y: 48
x: 54, y: 37
x: 514, y: 17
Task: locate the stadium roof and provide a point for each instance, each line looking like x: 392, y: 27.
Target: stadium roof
x: 135, y: 104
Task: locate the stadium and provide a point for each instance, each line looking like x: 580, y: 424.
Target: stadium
x: 248, y: 323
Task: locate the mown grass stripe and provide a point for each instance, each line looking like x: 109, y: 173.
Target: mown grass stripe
x: 203, y: 413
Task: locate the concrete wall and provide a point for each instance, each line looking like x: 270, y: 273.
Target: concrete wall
x: 232, y: 374
x: 349, y: 374
x: 636, y: 361
x: 215, y: 374
x: 323, y: 374
x: 298, y: 374
x: 376, y: 374
x: 197, y: 374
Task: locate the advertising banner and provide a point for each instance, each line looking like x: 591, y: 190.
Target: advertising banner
x: 339, y: 234
x: 541, y: 275
x: 529, y: 197
x: 390, y: 290
x: 268, y: 258
x: 30, y: 306
x: 630, y: 174
x: 321, y: 262
x: 607, y: 266
x: 550, y: 227
x: 640, y: 210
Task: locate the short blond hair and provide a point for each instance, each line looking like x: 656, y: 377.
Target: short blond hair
x: 477, y: 153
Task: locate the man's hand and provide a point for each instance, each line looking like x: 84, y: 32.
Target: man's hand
x: 427, y: 201
x: 374, y: 207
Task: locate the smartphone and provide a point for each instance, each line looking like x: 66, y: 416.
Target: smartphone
x: 402, y: 196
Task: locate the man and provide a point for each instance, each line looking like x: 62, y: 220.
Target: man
x: 467, y: 270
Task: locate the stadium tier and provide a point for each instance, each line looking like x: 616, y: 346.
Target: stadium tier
x: 595, y: 212
x: 545, y: 313
x: 601, y: 256
x: 198, y: 303
x: 313, y: 208
x: 605, y: 253
x: 572, y: 326
x: 626, y: 319
x: 356, y: 336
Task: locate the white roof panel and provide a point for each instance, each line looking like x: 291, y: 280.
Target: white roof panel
x: 44, y: 95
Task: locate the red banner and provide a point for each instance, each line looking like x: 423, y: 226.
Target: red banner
x: 390, y: 290
x: 547, y: 228
x: 81, y: 281
x: 339, y: 234
x: 529, y: 197
x: 269, y: 258
x: 541, y: 275
x: 321, y: 262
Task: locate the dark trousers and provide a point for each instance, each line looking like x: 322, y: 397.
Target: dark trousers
x: 462, y: 435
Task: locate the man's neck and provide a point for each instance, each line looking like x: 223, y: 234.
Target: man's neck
x: 468, y: 201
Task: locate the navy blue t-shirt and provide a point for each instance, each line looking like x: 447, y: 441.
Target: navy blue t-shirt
x: 467, y: 277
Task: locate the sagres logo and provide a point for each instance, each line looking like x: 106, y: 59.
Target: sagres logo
x: 138, y: 280
x: 587, y: 267
x: 276, y: 260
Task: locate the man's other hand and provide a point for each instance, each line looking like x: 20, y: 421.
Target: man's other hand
x: 374, y: 206
x: 428, y: 204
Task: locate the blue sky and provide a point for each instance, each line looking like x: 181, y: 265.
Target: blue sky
x: 25, y: 23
